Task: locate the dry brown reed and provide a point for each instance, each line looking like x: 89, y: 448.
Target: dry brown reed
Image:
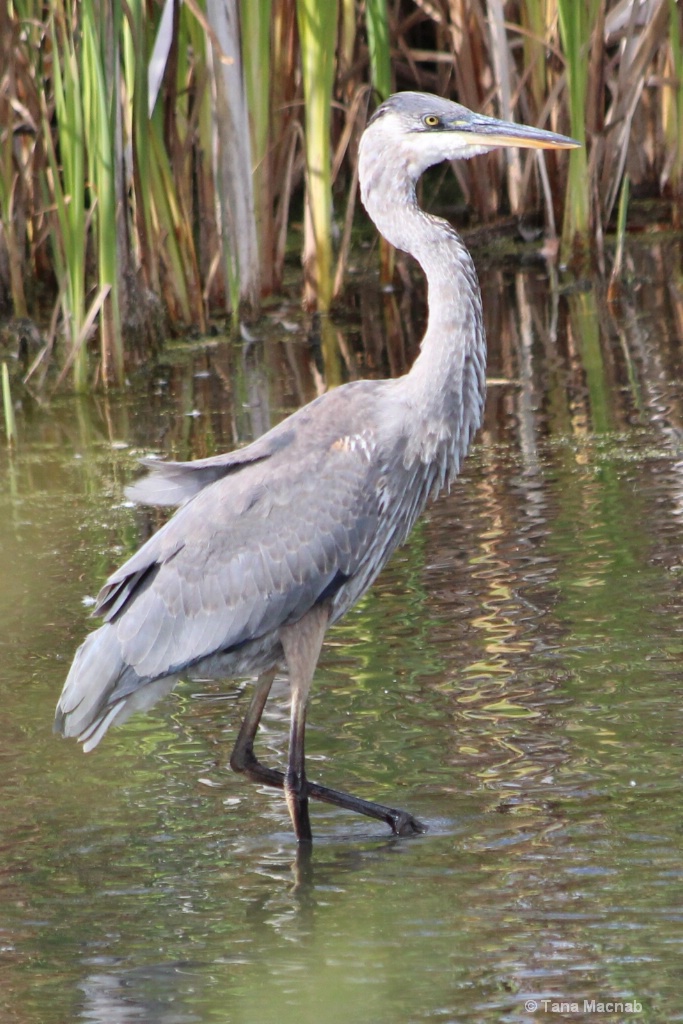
x: 210, y: 196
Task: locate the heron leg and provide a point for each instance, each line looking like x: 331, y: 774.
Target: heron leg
x: 302, y: 642
x: 400, y: 822
x: 243, y: 758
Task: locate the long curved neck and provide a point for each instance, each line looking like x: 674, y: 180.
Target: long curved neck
x: 446, y: 385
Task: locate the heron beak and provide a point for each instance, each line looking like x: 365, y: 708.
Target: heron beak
x: 488, y: 131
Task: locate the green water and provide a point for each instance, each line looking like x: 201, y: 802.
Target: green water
x: 514, y: 680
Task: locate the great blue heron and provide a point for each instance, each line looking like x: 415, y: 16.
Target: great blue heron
x: 275, y: 542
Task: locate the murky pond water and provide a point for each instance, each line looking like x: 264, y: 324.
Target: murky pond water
x: 513, y: 679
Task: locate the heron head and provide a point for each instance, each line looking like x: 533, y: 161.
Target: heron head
x: 426, y: 129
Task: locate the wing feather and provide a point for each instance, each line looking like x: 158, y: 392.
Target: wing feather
x: 247, y: 553
x: 172, y: 483
x: 307, y: 513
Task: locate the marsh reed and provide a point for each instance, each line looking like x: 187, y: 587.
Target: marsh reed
x: 159, y: 161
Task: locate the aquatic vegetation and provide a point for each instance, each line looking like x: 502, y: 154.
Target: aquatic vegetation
x: 157, y: 162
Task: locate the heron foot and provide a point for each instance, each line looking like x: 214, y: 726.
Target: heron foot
x: 400, y: 822
x: 404, y: 824
x: 298, y: 789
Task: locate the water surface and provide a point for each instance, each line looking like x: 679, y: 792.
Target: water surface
x: 513, y: 679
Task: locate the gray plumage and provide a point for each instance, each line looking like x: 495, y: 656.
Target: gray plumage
x: 301, y: 521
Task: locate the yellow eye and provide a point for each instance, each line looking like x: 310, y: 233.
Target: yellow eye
x: 431, y: 120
